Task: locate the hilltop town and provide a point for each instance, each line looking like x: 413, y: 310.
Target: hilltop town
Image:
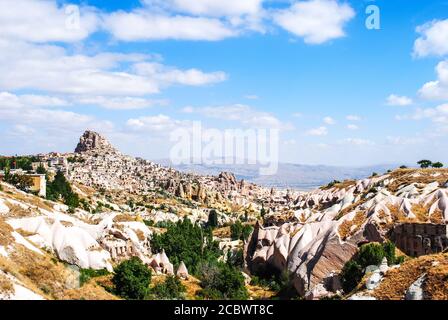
x: 96, y: 212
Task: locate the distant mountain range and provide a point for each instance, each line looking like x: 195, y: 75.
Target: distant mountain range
x: 295, y: 176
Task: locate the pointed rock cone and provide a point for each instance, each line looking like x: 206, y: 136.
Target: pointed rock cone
x: 182, y: 271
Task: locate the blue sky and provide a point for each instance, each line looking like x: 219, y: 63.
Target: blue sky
x: 339, y: 93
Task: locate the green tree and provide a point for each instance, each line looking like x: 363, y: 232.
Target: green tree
x: 389, y: 252
x: 370, y: 254
x: 351, y: 274
x: 437, y: 165
x: 188, y: 242
x: 41, y: 170
x: 60, y: 188
x: 238, y: 231
x: 132, y: 279
x: 424, y: 164
x: 171, y: 289
x: 222, y: 281
x: 213, y: 218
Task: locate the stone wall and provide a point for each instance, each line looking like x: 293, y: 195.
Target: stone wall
x: 416, y: 239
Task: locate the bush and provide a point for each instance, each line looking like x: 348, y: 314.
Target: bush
x: 132, y: 279
x: 370, y: 254
x: 86, y: 274
x: 222, y: 281
x: 389, y: 252
x: 171, y: 289
x: 188, y: 242
x: 351, y: 274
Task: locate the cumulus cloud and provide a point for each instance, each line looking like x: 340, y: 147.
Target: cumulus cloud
x: 433, y: 39
x: 217, y: 8
x: 352, y: 127
x: 400, y: 101
x: 317, y: 21
x: 142, y: 25
x: 438, y: 89
x: 50, y: 68
x: 329, y: 120
x: 321, y: 131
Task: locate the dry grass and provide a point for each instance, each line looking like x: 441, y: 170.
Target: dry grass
x: 89, y: 291
x: 140, y: 235
x: 222, y: 232
x: 125, y: 217
x: 6, y: 285
x: 5, y: 233
x: 406, y: 176
x: 397, y: 281
x: 421, y: 212
x: 17, y: 211
x: 437, y: 217
x: 259, y: 293
x: 346, y: 229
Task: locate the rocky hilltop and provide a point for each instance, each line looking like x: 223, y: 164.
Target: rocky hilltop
x: 92, y: 141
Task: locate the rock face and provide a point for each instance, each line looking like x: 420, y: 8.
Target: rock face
x: 415, y: 291
x: 182, y: 271
x: 329, y: 225
x: 93, y: 141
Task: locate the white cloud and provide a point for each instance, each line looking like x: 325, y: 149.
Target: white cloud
x: 44, y: 21
x: 244, y: 114
x: 143, y: 25
x: 329, y: 120
x: 358, y: 142
x: 170, y: 75
x: 51, y: 68
x: 438, y: 114
x: 119, y: 103
x: 352, y: 127
x: 404, y: 141
x: 297, y: 114
x: 321, y: 131
x: 353, y: 117
x: 438, y: 89
x: 8, y: 99
x: 216, y: 8
x: 161, y: 124
x: 433, y: 39
x: 317, y: 21
x: 400, y: 101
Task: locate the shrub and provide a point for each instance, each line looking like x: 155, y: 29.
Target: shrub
x: 132, y: 279
x: 389, y: 252
x: 86, y: 274
x: 370, y: 254
x: 351, y: 274
x: 222, y: 281
x: 171, y: 289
